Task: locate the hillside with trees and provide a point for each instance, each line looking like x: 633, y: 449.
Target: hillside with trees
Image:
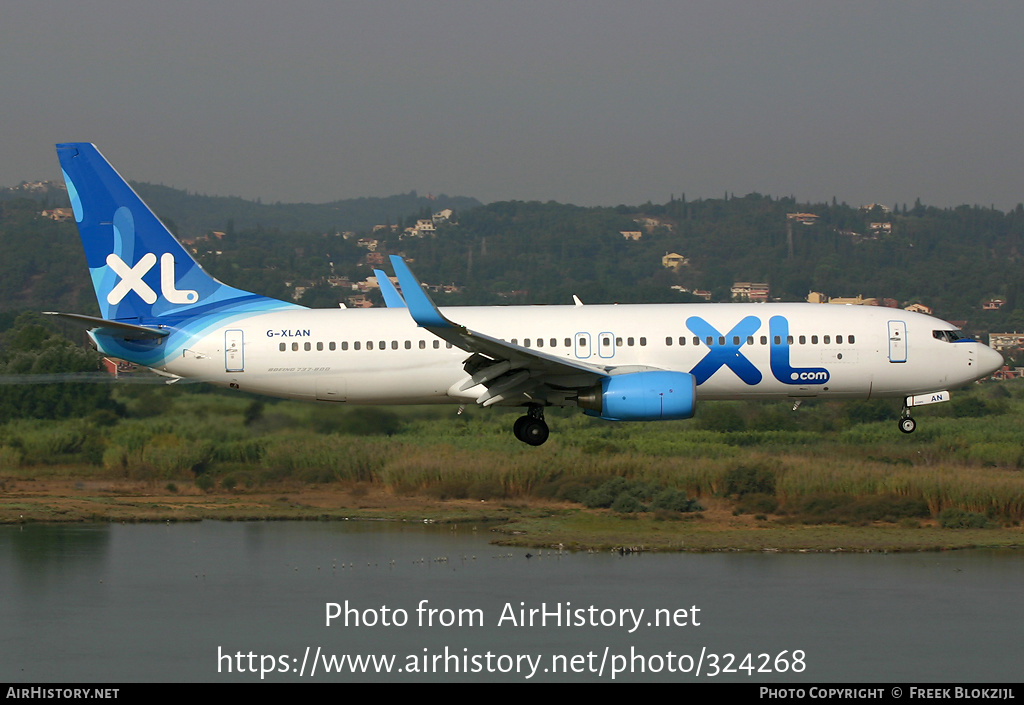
x: 952, y: 260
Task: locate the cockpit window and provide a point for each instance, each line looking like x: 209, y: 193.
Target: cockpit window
x: 949, y: 336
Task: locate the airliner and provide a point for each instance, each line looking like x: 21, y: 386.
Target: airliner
x: 644, y: 362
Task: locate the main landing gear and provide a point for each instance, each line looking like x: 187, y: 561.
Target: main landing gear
x: 907, y: 424
x: 531, y: 429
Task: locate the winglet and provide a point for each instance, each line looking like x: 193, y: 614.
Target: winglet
x: 392, y: 299
x: 422, y: 309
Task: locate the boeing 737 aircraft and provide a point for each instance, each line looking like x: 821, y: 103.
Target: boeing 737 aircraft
x: 618, y: 362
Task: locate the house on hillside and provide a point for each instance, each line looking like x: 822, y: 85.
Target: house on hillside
x: 1005, y: 341
x: 750, y: 291
x: 857, y: 300
x: 674, y: 260
x: 58, y: 214
x: 803, y: 218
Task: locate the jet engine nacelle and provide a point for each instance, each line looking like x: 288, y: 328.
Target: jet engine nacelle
x: 642, y: 396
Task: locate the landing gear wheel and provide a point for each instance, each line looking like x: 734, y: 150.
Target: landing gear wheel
x: 531, y: 429
x: 907, y: 424
x: 517, y: 428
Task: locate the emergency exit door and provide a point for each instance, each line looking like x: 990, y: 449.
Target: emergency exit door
x: 234, y: 356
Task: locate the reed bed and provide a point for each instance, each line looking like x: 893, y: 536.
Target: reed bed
x: 971, y: 463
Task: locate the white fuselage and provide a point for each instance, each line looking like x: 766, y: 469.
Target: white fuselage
x: 380, y: 356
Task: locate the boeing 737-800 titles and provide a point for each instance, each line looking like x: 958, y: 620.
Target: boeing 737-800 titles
x: 619, y: 362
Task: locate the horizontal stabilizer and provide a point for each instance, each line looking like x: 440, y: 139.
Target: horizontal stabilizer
x: 101, y: 325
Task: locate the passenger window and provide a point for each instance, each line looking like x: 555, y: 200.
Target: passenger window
x: 850, y: 340
x: 540, y: 342
x: 629, y: 341
x: 709, y: 341
x: 408, y: 345
x: 344, y: 345
x: 319, y: 346
x: 803, y: 340
x: 437, y: 344
x: 643, y: 342
x: 332, y: 346
x: 356, y: 345
x: 295, y: 347
x: 383, y: 345
x: 282, y: 347
x: 750, y: 340
x: 668, y: 341
x: 307, y: 347
x: 696, y: 340
x: 394, y: 345
x: 554, y: 342
x: 839, y: 340
x: 735, y: 340
x: 764, y: 340
x: 778, y: 340
x: 448, y: 345
x: 568, y: 342
x: 682, y: 340
x: 828, y: 340
x: 618, y: 341
x: 423, y: 345
x: 814, y: 340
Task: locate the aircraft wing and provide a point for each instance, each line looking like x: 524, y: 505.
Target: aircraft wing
x: 509, y: 372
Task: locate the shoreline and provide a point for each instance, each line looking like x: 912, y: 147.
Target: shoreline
x: 526, y: 522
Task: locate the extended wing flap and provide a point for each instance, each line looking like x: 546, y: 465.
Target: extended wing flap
x: 495, y: 362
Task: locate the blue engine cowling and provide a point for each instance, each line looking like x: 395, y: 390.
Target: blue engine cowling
x: 642, y: 396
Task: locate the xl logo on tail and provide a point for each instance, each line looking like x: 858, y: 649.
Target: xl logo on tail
x: 131, y: 280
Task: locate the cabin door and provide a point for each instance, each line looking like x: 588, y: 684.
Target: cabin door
x: 897, y: 341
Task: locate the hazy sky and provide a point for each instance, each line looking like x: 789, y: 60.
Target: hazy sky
x: 581, y: 101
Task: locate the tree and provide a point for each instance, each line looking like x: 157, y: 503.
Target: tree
x: 58, y: 378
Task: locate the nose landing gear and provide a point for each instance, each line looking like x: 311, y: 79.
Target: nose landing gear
x: 907, y: 424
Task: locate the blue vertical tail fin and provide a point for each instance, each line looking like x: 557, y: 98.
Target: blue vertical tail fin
x: 139, y: 270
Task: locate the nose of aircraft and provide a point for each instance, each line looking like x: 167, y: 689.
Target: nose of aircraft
x: 989, y: 360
